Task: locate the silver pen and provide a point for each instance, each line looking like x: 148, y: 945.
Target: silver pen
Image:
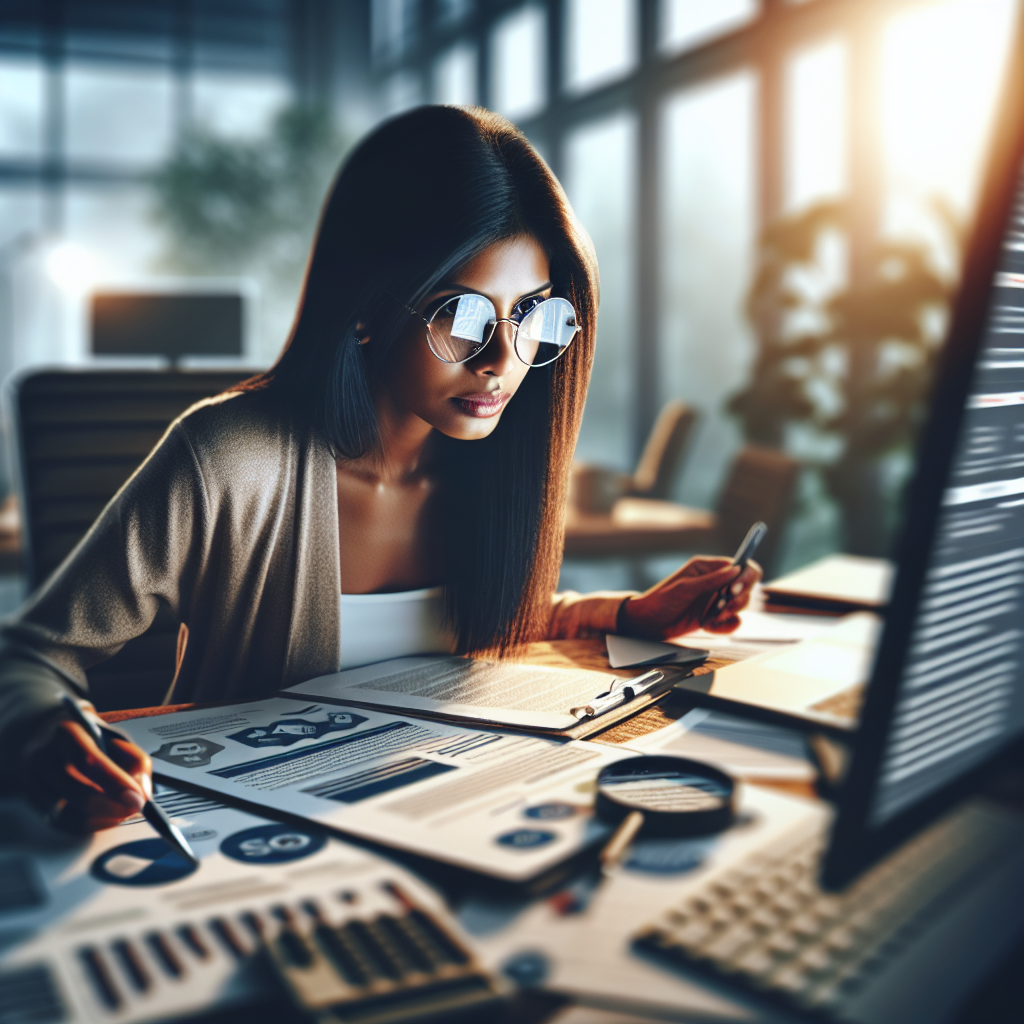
x: 151, y: 810
x: 619, y: 692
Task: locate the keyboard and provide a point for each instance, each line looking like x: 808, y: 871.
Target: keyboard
x: 765, y: 924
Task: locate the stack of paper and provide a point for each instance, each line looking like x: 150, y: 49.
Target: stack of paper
x: 507, y: 805
x: 758, y: 632
x: 837, y: 584
x: 742, y: 747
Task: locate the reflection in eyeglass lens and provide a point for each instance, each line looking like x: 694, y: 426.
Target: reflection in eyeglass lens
x: 472, y: 315
x: 545, y: 331
x: 464, y: 324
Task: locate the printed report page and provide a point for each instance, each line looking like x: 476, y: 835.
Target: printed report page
x: 507, y: 805
x: 527, y: 696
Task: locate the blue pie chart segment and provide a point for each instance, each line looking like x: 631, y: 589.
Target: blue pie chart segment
x: 144, y: 862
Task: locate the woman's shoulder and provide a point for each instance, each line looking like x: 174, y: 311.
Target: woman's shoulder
x: 240, y: 426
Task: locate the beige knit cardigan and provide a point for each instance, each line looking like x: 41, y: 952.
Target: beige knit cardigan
x: 232, y: 521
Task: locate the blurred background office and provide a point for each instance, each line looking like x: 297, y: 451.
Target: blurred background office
x: 777, y: 191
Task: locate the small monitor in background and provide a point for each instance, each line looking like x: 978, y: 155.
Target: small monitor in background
x: 170, y: 324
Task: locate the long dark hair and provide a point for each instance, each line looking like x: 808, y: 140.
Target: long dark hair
x: 417, y: 199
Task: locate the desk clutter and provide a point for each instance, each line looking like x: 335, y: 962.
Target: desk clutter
x: 278, y: 919
x: 282, y: 917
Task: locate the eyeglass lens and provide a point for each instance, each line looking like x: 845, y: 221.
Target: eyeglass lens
x: 465, y: 323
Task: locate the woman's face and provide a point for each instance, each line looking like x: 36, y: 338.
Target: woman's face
x: 466, y: 400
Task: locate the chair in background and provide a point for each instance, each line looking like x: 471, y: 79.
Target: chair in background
x: 662, y: 458
x: 760, y: 485
x: 81, y: 434
x: 595, y: 488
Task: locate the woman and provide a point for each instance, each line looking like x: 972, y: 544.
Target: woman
x: 416, y: 431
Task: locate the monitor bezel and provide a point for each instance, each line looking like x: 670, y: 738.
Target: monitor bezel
x: 854, y: 843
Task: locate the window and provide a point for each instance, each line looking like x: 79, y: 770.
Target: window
x: 600, y: 179
x: 402, y: 90
x: 393, y: 24
x: 455, y: 75
x: 118, y: 113
x: 816, y: 124
x: 941, y: 67
x: 704, y: 346
x: 602, y: 41
x: 21, y: 107
x: 237, y: 106
x: 519, y: 59
x: 687, y: 23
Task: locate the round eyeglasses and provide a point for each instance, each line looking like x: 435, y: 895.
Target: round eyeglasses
x: 462, y: 326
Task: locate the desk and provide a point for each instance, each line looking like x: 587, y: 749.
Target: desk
x: 998, y: 1000
x: 639, y: 527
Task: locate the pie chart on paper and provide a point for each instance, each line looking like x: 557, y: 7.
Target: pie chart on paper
x: 144, y: 862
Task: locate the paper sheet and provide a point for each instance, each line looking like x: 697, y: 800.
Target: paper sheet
x: 119, y: 901
x: 865, y: 582
x: 758, y: 633
x: 588, y: 955
x: 744, y: 748
x: 525, y: 696
x: 510, y: 806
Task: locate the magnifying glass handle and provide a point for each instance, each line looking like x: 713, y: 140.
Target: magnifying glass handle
x: 622, y: 838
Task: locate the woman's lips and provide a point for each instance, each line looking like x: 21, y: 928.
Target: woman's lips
x: 484, y: 404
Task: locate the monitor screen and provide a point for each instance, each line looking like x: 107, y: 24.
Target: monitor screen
x: 947, y: 689
x: 167, y: 323
x: 962, y: 686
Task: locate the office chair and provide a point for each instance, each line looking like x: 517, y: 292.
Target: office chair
x: 80, y: 435
x: 760, y: 485
x: 662, y: 458
x: 595, y: 488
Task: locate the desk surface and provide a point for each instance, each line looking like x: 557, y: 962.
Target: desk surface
x: 996, y: 1001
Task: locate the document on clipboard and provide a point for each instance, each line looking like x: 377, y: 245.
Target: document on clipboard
x: 509, y: 806
x: 534, y: 698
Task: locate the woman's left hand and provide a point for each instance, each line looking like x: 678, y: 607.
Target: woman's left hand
x: 689, y: 599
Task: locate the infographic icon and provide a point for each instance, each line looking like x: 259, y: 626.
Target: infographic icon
x: 194, y: 752
x: 287, y: 731
x: 272, y: 844
x: 144, y: 862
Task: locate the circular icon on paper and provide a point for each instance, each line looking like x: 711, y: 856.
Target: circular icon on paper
x: 554, y: 811
x: 272, y: 844
x: 194, y: 752
x: 527, y: 969
x: 144, y: 862
x: 526, y: 838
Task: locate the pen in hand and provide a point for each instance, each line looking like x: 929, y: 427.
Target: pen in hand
x: 751, y: 542
x: 151, y: 810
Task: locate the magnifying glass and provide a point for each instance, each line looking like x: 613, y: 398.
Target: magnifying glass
x: 659, y: 794
x: 664, y: 796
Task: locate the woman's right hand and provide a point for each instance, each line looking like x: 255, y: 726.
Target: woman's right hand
x: 76, y: 785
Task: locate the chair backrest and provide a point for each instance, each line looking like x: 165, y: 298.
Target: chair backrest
x: 81, y: 434
x: 662, y: 459
x: 760, y: 485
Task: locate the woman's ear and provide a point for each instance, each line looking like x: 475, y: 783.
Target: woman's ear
x: 362, y: 334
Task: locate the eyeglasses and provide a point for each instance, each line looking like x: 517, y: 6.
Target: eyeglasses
x: 462, y: 326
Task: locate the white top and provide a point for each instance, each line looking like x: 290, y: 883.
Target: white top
x: 376, y: 627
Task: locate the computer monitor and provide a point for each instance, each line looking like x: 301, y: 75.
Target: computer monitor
x: 171, y: 324
x: 946, y: 695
